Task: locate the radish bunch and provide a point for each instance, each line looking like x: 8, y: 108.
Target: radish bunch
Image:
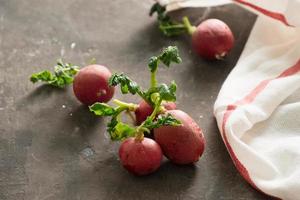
x: 211, y: 39
x: 176, y: 134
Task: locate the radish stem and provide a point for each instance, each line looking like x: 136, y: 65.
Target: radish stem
x: 153, y: 82
x: 190, y: 29
x: 128, y: 106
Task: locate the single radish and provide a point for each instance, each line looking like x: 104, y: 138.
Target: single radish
x: 144, y: 110
x: 91, y: 85
x: 212, y: 39
x: 140, y: 156
x: 183, y: 144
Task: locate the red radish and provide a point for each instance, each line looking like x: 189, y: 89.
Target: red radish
x: 212, y: 39
x: 182, y: 144
x: 140, y: 157
x: 144, y: 110
x: 91, y: 85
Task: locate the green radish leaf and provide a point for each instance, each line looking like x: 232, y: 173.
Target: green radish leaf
x: 166, y: 93
x: 63, y: 75
x: 157, y: 8
x: 102, y: 109
x: 166, y: 25
x: 161, y: 120
x: 119, y: 130
x: 162, y: 17
x: 46, y: 76
x: 111, y: 127
x: 153, y: 63
x: 127, y: 85
x: 169, y: 55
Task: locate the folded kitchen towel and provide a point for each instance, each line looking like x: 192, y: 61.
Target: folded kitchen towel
x: 258, y: 107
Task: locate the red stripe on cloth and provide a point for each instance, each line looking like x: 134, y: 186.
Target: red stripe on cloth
x: 290, y: 71
x: 262, y: 85
x: 249, y: 98
x: 274, y: 15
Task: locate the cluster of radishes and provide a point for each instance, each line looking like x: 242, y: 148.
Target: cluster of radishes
x: 211, y: 39
x: 176, y: 135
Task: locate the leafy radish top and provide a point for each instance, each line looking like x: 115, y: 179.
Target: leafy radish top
x: 63, y: 75
x: 170, y: 27
x: 155, y: 95
x: 211, y: 39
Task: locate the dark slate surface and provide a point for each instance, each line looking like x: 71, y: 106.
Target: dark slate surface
x: 52, y: 148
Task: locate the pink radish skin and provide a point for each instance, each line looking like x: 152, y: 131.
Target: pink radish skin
x: 140, y: 157
x: 91, y: 85
x: 144, y: 110
x: 212, y: 39
x: 182, y: 144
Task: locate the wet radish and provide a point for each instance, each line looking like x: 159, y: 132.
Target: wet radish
x: 212, y: 39
x: 183, y: 144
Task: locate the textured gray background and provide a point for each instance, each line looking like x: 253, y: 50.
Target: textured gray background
x: 52, y: 148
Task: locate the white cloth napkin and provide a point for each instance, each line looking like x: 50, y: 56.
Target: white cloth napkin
x: 258, y: 107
